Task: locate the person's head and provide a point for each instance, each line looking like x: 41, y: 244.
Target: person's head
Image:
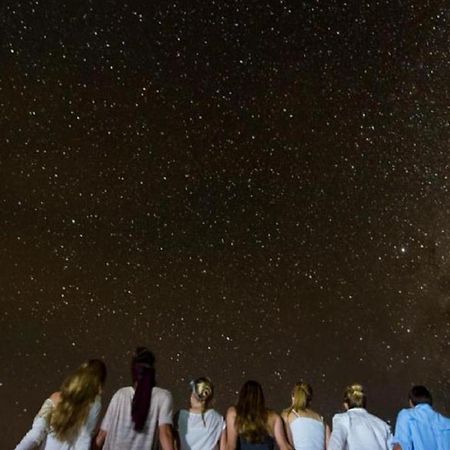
x: 143, y: 374
x: 202, y: 394
x: 420, y: 394
x: 98, y: 369
x: 142, y: 358
x: 355, y: 396
x: 251, y: 412
x: 301, y: 396
x: 78, y: 392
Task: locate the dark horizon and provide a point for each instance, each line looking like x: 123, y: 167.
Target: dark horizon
x: 253, y: 190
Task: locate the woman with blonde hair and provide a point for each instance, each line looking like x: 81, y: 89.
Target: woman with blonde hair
x: 305, y: 428
x: 357, y: 429
x: 250, y: 425
x: 67, y: 419
x: 200, y: 427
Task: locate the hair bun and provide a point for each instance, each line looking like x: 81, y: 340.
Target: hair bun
x: 355, y: 396
x: 357, y: 389
x: 202, y: 388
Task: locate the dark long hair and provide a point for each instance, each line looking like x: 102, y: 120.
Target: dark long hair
x: 251, y: 412
x: 143, y: 374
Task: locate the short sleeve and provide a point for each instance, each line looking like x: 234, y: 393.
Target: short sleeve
x: 402, y: 434
x: 165, y: 414
x: 111, y: 413
x: 338, y: 437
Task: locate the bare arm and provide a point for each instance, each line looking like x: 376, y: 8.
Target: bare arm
x: 279, y: 434
x: 231, y: 431
x: 287, y: 427
x: 100, y: 439
x: 166, y: 437
x: 327, y: 435
x: 176, y: 433
x: 223, y: 440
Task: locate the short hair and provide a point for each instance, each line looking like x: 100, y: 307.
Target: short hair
x: 420, y: 394
x: 355, y: 396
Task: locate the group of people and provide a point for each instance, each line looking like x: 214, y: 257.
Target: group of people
x: 140, y: 417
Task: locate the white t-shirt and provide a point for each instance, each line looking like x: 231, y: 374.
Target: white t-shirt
x: 119, y: 427
x: 196, y: 434
x: 357, y: 429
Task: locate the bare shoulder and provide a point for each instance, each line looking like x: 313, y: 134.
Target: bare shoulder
x: 55, y: 397
x: 231, y: 412
x: 315, y: 415
x: 272, y: 417
x: 272, y: 414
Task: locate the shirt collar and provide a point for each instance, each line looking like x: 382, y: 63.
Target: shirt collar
x: 422, y: 405
x: 358, y: 409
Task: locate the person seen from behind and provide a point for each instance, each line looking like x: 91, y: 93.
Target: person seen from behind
x: 357, y: 429
x: 305, y: 428
x: 200, y: 427
x: 250, y: 425
x: 138, y: 415
x: 420, y: 427
x: 67, y: 419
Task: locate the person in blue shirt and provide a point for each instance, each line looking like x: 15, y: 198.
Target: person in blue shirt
x: 420, y: 427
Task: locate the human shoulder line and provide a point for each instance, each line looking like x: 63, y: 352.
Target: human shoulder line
x: 158, y: 389
x: 55, y: 397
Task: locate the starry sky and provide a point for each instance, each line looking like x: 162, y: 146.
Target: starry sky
x: 253, y: 189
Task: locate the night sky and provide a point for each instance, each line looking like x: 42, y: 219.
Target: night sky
x: 253, y: 189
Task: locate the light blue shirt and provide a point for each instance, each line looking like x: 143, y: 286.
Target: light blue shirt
x: 422, y: 428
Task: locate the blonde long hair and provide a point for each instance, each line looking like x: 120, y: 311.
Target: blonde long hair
x: 78, y: 392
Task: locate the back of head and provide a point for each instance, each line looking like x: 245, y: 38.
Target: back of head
x: 355, y: 396
x: 98, y: 369
x: 143, y: 374
x: 203, y: 391
x: 420, y: 395
x: 251, y: 412
x: 301, y: 396
x: 78, y: 392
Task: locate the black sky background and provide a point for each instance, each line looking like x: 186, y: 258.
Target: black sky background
x: 252, y: 189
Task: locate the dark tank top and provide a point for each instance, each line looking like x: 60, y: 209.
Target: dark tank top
x: 267, y: 444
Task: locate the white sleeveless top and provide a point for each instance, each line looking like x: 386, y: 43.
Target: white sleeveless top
x: 307, y: 433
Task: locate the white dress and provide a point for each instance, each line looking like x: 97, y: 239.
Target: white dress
x: 307, y: 433
x: 357, y: 429
x: 41, y: 431
x: 196, y: 434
